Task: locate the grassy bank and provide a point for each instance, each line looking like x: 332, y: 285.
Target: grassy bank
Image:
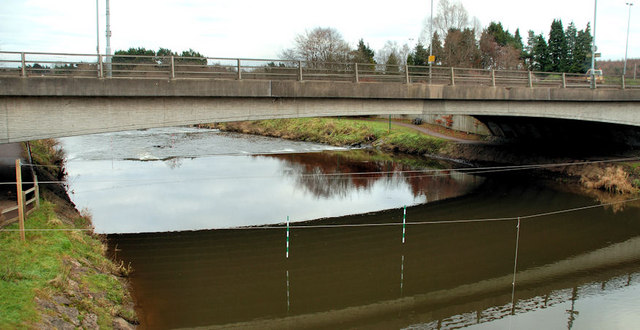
x: 59, y: 276
x: 342, y: 132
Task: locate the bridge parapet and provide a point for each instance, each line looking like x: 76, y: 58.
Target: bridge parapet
x: 30, y: 64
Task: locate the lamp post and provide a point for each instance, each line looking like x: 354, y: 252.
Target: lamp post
x: 97, y: 29
x: 593, y: 46
x: 624, y: 71
x: 431, y: 47
x: 108, y: 33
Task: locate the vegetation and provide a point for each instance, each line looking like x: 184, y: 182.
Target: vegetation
x: 59, y: 277
x: 342, y: 132
x: 142, y: 55
x: 457, y: 41
x: 65, y: 266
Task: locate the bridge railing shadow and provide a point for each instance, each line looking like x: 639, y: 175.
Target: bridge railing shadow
x: 31, y: 64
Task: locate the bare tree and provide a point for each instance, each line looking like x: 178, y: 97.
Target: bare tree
x: 319, y: 45
x: 450, y: 15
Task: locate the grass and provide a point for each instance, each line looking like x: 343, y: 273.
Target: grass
x: 42, y: 267
x: 342, y: 132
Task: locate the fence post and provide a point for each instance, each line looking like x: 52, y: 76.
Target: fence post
x: 493, y: 78
x: 173, y: 67
x: 24, y: 65
x: 37, y: 187
x: 356, y: 71
x: 453, y: 78
x: 20, y: 198
x: 299, y: 70
x: 530, y: 80
x: 239, y: 70
x: 406, y: 74
x: 564, y: 80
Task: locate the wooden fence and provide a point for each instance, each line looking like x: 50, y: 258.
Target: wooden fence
x: 24, y: 205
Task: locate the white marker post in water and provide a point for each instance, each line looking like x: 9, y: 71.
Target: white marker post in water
x: 404, y: 223
x: 287, y: 237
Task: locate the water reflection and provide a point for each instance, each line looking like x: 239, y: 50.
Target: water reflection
x: 444, y: 276
x: 127, y: 196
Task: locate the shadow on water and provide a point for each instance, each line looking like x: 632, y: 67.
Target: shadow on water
x: 446, y: 275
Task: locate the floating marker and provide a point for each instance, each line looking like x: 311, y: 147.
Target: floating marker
x: 404, y: 223
x: 287, y: 237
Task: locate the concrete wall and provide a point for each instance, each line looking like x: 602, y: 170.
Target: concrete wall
x: 35, y: 108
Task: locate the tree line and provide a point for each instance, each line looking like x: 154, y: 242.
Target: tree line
x: 142, y: 55
x: 457, y: 41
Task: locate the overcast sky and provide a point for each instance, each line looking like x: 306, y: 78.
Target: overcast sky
x: 262, y: 29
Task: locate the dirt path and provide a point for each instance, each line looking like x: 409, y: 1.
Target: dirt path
x: 434, y: 133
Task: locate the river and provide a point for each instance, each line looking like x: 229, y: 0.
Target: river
x: 200, y: 217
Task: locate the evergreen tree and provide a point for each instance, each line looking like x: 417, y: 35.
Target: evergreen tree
x: 581, y: 57
x: 419, y: 56
x: 364, y: 54
x: 540, y: 58
x: 557, y: 47
x: 571, y: 35
x: 391, y: 66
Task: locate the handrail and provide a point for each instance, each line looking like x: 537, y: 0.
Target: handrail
x: 50, y: 64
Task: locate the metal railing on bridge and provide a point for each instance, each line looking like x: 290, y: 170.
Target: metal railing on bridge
x: 30, y: 64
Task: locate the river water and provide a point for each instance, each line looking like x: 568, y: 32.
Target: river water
x: 200, y: 214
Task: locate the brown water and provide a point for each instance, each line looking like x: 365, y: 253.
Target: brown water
x: 576, y: 270
x: 444, y: 276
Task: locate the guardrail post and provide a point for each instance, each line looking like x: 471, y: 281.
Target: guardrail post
x: 453, y: 77
x: 493, y: 78
x: 564, y: 80
x: 239, y: 70
x: 356, y: 72
x: 173, y: 67
x: 100, y: 71
x: 299, y: 70
x: 624, y: 85
x: 24, y: 65
x: 406, y: 74
x: 530, y: 79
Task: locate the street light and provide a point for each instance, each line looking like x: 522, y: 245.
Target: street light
x: 593, y: 46
x: 624, y: 71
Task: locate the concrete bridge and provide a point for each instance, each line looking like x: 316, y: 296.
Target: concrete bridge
x: 45, y: 106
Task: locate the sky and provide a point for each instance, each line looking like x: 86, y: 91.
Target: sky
x: 262, y: 29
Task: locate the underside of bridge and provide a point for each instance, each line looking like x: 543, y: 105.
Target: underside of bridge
x: 549, y: 133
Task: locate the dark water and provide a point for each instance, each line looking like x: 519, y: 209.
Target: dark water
x: 577, y: 269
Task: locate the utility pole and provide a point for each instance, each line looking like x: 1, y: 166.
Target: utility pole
x: 593, y: 47
x: 626, y: 49
x: 108, y: 57
x: 431, y: 47
x: 97, y: 29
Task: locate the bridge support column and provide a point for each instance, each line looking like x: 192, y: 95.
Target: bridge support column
x: 493, y: 78
x: 564, y: 80
x: 239, y: 68
x: 530, y: 80
x: 299, y: 70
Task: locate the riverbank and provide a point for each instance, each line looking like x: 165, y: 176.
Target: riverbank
x: 59, y: 277
x: 618, y: 177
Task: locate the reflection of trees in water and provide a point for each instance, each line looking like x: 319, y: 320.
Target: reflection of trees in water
x: 334, y: 174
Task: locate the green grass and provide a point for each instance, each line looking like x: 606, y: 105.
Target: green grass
x: 36, y: 267
x: 343, y: 132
